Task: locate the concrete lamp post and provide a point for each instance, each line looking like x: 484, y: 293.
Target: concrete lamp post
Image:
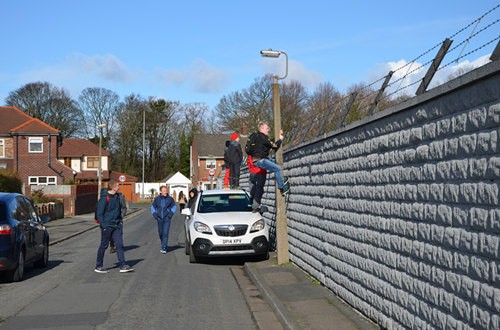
x: 281, y: 223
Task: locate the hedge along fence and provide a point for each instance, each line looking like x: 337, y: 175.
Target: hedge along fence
x: 398, y: 213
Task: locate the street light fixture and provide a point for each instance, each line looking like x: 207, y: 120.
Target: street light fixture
x: 281, y: 226
x: 99, y: 174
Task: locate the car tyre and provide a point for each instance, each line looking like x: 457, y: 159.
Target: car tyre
x: 186, y: 246
x: 192, y: 257
x: 44, y: 260
x: 18, y: 273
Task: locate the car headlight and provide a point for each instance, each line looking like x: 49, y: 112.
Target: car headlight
x: 258, y: 225
x: 201, y: 227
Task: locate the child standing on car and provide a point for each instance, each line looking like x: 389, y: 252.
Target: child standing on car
x: 233, y: 156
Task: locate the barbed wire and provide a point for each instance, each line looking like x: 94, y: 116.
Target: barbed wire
x: 320, y: 120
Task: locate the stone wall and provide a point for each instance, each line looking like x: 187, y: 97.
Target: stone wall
x: 398, y: 214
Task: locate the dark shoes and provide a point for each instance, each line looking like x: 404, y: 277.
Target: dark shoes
x: 126, y: 269
x: 101, y: 270
x: 285, y: 190
x: 112, y: 250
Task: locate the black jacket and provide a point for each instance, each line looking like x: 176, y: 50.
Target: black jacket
x: 233, y: 154
x: 263, y: 145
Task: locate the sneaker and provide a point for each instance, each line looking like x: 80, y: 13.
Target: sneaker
x: 285, y: 190
x: 112, y: 250
x: 163, y: 251
x: 285, y: 181
x: 126, y: 269
x: 101, y: 270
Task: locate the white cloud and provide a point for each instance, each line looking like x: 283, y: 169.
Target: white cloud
x: 296, y: 71
x: 203, y: 77
x: 407, y: 77
x: 108, y: 67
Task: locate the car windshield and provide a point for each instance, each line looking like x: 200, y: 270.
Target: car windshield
x: 224, y: 203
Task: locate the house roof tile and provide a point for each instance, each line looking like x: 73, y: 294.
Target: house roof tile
x: 212, y: 145
x: 73, y: 147
x: 15, y: 120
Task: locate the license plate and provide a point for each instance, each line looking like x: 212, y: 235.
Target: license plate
x: 231, y: 241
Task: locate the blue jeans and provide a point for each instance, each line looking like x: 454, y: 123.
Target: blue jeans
x: 106, y: 235
x: 271, y: 166
x: 163, y: 229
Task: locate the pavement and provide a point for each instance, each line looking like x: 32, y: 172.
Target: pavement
x: 279, y: 296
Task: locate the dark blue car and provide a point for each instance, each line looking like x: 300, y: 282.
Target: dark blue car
x: 23, y: 237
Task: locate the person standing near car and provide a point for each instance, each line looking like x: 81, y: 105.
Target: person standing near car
x: 192, y: 197
x: 109, y: 215
x: 257, y: 183
x: 163, y: 209
x: 182, y: 200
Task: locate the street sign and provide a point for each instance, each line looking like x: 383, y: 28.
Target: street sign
x: 122, y: 178
x: 211, y: 171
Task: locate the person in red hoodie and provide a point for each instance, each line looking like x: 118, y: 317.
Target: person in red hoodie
x: 257, y: 183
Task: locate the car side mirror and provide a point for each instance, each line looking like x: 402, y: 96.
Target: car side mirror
x: 263, y: 209
x: 186, y: 211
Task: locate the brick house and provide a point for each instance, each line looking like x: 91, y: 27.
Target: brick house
x: 82, y: 156
x: 207, y: 152
x: 29, y: 147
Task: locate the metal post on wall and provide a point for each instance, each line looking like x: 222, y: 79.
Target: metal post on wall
x: 434, y: 66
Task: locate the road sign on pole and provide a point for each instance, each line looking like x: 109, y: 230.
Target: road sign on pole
x: 211, y: 171
x: 122, y: 178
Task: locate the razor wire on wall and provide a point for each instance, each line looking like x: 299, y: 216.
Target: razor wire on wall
x: 408, y: 80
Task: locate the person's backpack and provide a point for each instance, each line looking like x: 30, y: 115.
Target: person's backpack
x: 250, y: 145
x: 95, y: 213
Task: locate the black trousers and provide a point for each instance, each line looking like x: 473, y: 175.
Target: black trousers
x: 257, y: 183
x: 234, y: 175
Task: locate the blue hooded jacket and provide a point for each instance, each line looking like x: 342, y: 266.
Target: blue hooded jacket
x: 109, y: 212
x: 163, y: 207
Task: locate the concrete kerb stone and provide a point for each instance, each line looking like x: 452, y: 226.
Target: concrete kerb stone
x: 282, y: 313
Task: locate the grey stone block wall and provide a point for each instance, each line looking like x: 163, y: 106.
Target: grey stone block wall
x: 399, y: 214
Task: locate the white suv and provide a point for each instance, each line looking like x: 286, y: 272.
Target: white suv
x: 221, y: 223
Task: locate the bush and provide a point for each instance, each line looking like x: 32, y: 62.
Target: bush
x: 10, y: 182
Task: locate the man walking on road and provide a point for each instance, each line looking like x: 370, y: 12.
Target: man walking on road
x: 163, y: 209
x: 109, y: 215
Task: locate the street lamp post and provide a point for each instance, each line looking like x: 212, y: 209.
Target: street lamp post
x: 281, y: 224
x: 143, y: 148
x: 99, y: 174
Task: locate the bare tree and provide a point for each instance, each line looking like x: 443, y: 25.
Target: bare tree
x: 293, y: 103
x: 243, y: 110
x: 50, y: 104
x: 99, y: 106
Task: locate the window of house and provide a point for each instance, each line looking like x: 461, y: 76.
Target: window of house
x: 210, y: 163
x: 67, y: 161
x: 92, y: 162
x: 2, y: 148
x: 36, y: 144
x: 42, y: 180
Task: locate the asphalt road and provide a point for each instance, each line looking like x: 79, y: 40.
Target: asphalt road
x: 165, y: 291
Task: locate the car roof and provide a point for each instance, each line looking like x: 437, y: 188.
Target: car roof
x: 5, y: 197
x: 223, y: 191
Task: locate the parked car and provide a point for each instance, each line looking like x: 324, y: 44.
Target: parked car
x: 221, y: 223
x: 23, y: 236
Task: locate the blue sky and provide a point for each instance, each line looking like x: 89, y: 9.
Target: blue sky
x: 200, y: 51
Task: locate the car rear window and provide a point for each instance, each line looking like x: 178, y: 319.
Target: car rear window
x: 224, y: 203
